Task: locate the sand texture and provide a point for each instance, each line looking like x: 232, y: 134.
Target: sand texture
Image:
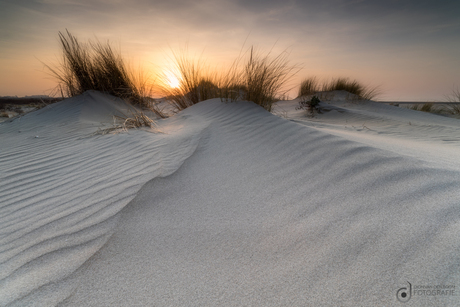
x: 228, y: 206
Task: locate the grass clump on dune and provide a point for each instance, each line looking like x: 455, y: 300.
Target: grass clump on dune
x: 450, y: 107
x: 195, y: 81
x: 351, y: 86
x: 425, y: 107
x: 453, y: 107
x: 258, y: 79
x: 96, y: 66
x: 344, y: 84
x: 428, y: 107
x: 263, y: 77
x: 311, y: 85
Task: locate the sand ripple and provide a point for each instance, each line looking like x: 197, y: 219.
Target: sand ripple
x: 61, y: 190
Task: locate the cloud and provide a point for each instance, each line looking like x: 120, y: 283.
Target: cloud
x: 346, y: 33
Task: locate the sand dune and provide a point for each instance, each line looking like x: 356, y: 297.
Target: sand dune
x: 425, y: 136
x: 263, y: 212
x: 61, y: 189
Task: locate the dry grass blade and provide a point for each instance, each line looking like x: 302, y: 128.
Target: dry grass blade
x: 428, y: 107
x: 353, y: 87
x: 137, y: 120
x: 154, y: 106
x: 195, y: 81
x: 452, y: 107
x: 260, y: 79
x: 231, y: 83
x: 265, y: 76
x: 95, y: 66
x: 110, y: 73
x: 309, y: 86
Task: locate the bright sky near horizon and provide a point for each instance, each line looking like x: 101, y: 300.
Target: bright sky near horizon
x: 411, y: 48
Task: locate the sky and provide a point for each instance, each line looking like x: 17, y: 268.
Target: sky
x: 411, y: 49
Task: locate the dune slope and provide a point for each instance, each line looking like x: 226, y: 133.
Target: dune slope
x: 268, y: 212
x: 61, y: 189
x: 424, y: 136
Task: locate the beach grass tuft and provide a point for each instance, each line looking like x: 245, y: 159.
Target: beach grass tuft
x: 260, y: 79
x: 96, y: 66
x: 352, y: 86
x: 312, y: 85
x: 309, y: 86
x: 196, y: 82
x: 425, y: 107
x: 264, y: 77
x: 453, y: 107
x: 434, y: 108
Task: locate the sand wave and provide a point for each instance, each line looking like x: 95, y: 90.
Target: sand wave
x: 61, y: 190
x: 262, y: 211
x: 272, y: 213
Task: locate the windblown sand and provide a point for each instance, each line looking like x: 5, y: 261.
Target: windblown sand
x: 228, y: 206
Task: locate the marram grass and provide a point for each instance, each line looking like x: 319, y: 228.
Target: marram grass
x: 260, y: 79
x: 95, y: 66
x: 312, y: 85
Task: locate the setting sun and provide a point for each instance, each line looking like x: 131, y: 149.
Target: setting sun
x: 172, y: 80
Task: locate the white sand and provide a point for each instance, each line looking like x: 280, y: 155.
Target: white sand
x: 264, y: 212
x: 425, y: 136
x: 60, y: 188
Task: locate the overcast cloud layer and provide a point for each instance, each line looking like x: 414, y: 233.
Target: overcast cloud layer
x: 411, y: 48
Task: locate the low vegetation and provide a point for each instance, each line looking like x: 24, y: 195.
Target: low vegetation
x: 453, y: 108
x: 454, y: 102
x: 259, y: 78
x: 309, y: 86
x: 264, y: 77
x: 196, y: 82
x: 96, y: 66
x: 426, y: 107
x: 137, y: 119
x: 312, y: 85
x: 311, y: 105
x: 254, y: 76
x: 449, y: 108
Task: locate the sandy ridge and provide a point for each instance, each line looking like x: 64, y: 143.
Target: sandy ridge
x: 271, y: 213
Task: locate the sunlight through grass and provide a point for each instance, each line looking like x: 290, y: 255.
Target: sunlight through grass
x: 172, y: 80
